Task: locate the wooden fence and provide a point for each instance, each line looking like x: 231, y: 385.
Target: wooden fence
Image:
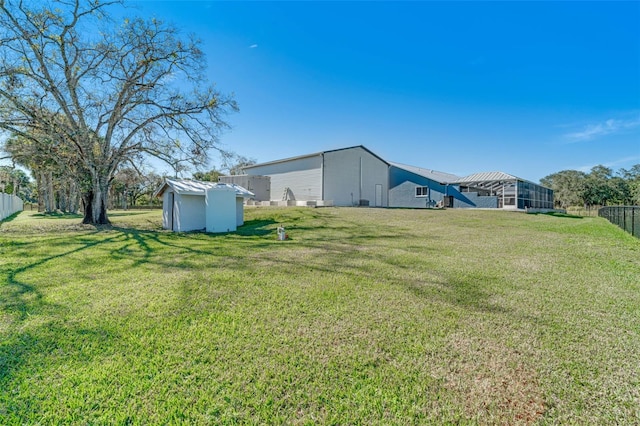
x: 9, y: 204
x: 626, y: 217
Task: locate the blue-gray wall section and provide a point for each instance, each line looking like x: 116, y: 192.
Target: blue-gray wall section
x: 476, y: 201
x: 402, y: 192
x: 404, y: 195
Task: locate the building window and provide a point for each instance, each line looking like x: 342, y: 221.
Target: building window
x: 422, y: 191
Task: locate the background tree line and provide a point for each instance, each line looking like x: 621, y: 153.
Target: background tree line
x: 601, y: 186
x: 57, y: 189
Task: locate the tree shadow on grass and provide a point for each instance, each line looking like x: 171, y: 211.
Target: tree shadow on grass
x: 256, y: 228
x: 334, y: 250
x: 127, y: 213
x: 197, y: 242
x: 21, y: 302
x: 33, y: 322
x: 22, y: 296
x: 56, y: 215
x: 557, y: 214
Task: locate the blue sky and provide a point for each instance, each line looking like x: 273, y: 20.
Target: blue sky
x: 529, y: 88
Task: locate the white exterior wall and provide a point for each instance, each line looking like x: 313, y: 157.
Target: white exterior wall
x: 352, y: 174
x: 221, y: 210
x: 239, y: 211
x: 303, y: 177
x: 189, y: 213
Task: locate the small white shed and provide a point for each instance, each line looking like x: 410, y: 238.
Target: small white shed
x: 190, y: 205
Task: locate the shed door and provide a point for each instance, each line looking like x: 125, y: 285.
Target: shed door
x: 171, y: 209
x: 378, y: 195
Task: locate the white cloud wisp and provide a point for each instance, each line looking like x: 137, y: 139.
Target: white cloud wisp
x: 608, y: 127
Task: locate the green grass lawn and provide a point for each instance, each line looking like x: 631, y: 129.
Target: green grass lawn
x: 365, y: 316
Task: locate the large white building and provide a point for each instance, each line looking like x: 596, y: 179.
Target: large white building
x: 346, y: 177
x: 355, y: 176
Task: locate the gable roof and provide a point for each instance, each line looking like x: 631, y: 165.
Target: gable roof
x: 440, y: 177
x: 362, y: 147
x: 196, y: 187
x: 315, y: 154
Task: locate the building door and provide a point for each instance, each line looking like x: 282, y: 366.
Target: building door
x: 378, y: 195
x: 448, y: 201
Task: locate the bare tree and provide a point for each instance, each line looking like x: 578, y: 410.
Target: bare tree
x: 123, y: 91
x: 129, y: 185
x: 236, y: 163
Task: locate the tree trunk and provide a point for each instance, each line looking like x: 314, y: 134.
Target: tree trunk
x: 46, y: 197
x: 95, y: 211
x: 41, y: 190
x: 50, y: 201
x: 62, y: 200
x: 95, y: 202
x: 73, y: 197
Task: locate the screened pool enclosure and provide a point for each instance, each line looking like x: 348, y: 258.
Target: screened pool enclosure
x: 509, y: 191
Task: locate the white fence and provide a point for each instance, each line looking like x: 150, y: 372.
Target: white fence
x: 9, y: 204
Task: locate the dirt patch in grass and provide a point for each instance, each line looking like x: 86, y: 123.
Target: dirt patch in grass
x: 490, y: 378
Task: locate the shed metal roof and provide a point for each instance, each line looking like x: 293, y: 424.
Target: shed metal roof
x: 196, y: 187
x: 440, y: 177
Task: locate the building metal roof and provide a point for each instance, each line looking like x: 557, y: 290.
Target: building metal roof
x: 440, y: 177
x: 488, y: 177
x: 283, y: 160
x: 492, y: 181
x: 359, y: 146
x: 315, y: 154
x: 196, y: 187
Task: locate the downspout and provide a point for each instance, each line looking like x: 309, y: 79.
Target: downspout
x: 360, y: 197
x: 322, y: 174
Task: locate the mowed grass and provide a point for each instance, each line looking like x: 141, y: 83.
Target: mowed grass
x: 365, y: 316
